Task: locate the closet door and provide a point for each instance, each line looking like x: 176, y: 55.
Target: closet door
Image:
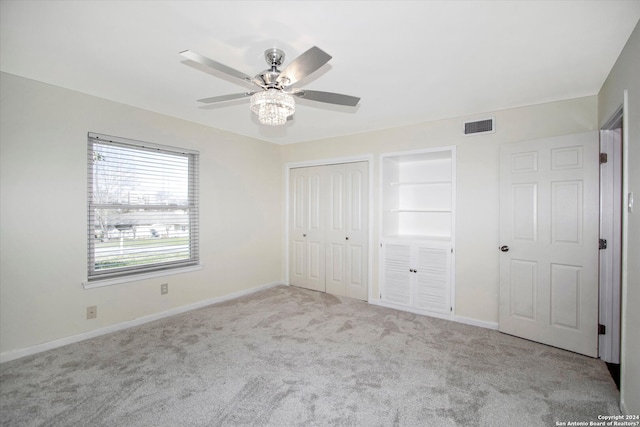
x: 297, y: 226
x: 357, y: 230
x: 336, y: 243
x: 307, y: 237
x: 347, y: 230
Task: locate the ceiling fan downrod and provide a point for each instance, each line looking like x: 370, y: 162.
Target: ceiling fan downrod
x: 274, y: 57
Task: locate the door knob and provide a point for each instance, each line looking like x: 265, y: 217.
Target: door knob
x: 504, y: 248
x: 346, y: 238
x: 304, y: 235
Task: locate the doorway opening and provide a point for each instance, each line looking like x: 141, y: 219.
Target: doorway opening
x: 610, y: 278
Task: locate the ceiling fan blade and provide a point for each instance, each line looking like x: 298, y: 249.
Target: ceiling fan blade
x: 223, y: 98
x: 210, y: 63
x: 303, y: 65
x: 328, y: 97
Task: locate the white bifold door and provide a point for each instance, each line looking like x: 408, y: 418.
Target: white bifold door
x: 328, y: 233
x: 549, y: 241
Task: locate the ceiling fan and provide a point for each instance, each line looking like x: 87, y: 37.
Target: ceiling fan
x: 273, y: 99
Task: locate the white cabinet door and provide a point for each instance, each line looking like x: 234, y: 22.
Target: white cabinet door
x: 433, y: 279
x: 549, y: 237
x: 418, y: 275
x: 398, y: 274
x: 347, y: 230
x: 307, y: 236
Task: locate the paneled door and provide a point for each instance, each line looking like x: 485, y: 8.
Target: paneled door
x: 347, y: 230
x: 307, y: 237
x: 549, y: 241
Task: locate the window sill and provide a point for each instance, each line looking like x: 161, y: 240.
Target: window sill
x: 138, y: 277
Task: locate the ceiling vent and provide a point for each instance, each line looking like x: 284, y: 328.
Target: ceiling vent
x: 479, y: 126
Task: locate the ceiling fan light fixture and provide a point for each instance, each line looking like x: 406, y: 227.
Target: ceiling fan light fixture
x: 272, y: 106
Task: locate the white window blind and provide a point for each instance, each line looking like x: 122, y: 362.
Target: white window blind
x: 142, y: 207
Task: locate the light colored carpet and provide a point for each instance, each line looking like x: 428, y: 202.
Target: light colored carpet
x: 291, y: 357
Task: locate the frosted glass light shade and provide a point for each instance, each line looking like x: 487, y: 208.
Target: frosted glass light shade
x: 272, y: 106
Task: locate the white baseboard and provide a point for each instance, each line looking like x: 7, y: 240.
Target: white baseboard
x: 23, y: 352
x: 476, y: 322
x: 459, y: 319
x: 411, y: 310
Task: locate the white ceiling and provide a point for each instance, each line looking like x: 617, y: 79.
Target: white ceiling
x: 410, y: 62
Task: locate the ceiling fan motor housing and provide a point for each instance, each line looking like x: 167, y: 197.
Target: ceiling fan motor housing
x: 269, y: 79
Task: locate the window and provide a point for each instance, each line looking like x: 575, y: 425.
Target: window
x: 142, y: 207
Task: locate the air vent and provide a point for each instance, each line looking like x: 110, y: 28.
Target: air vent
x: 479, y: 126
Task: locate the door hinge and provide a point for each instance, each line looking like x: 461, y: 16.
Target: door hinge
x: 603, y: 158
x: 602, y: 330
x: 603, y: 244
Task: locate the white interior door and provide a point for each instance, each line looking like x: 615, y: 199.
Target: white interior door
x: 336, y: 245
x: 347, y: 230
x: 297, y: 226
x: 307, y: 237
x: 357, y: 230
x: 549, y: 238
x: 611, y: 232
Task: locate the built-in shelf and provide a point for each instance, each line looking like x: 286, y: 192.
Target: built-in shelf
x: 418, y: 193
x: 417, y: 231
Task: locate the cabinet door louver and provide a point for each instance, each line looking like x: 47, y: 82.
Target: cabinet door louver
x: 397, y: 283
x: 432, y: 289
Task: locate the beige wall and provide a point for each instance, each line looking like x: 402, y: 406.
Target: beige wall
x: 477, y: 255
x: 43, y: 175
x: 625, y: 76
x: 43, y: 221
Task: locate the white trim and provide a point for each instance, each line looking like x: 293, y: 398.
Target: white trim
x: 137, y: 277
x: 370, y: 296
x: 624, y: 267
x: 476, y: 322
x: 623, y: 407
x: 458, y: 319
x: 414, y: 310
x: 417, y: 151
x: 334, y: 161
x: 23, y: 352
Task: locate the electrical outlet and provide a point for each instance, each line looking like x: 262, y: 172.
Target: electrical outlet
x: 92, y: 312
x: 164, y: 289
